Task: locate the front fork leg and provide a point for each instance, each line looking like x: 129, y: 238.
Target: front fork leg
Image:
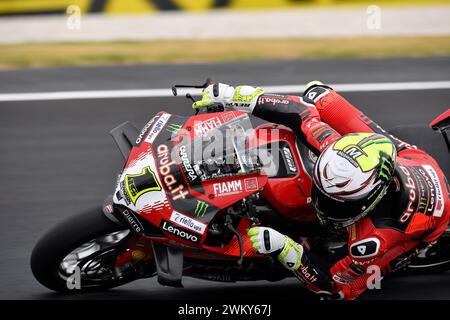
x: 137, y: 250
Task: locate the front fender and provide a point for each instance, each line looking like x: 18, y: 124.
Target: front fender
x: 111, y: 212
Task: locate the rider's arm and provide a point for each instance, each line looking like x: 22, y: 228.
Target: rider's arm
x: 318, y: 117
x: 340, y: 114
x: 369, y: 258
x: 290, y: 111
x: 348, y: 272
x: 302, y: 119
x: 372, y: 254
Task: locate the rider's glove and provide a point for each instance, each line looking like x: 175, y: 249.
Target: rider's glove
x: 267, y: 240
x: 241, y: 98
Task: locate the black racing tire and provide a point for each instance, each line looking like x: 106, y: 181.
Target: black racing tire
x: 426, y: 139
x: 426, y: 268
x: 435, y: 260
x: 61, y: 240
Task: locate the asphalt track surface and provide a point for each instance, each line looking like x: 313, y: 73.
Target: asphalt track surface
x: 57, y: 159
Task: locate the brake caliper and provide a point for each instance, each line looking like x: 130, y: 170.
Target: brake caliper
x: 138, y: 250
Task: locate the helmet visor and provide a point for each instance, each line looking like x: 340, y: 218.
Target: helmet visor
x: 344, y: 212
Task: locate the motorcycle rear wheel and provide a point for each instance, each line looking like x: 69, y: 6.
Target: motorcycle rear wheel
x: 434, y: 260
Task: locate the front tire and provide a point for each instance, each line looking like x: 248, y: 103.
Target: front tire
x: 89, y: 231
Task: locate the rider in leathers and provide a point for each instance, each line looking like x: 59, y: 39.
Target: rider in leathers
x: 411, y: 206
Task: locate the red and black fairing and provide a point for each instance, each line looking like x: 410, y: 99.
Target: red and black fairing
x: 288, y: 190
x: 196, y: 202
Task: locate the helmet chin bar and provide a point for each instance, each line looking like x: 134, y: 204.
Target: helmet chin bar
x: 343, y: 223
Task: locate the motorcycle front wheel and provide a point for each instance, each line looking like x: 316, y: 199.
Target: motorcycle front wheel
x: 79, y: 254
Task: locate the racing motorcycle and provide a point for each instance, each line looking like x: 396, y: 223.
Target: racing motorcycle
x: 173, y: 214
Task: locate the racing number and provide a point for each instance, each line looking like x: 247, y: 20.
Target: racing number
x: 138, y: 184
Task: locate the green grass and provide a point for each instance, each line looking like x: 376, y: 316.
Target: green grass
x: 80, y: 54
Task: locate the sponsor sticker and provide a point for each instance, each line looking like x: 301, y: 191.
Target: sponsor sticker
x: 174, y: 128
x: 227, y: 188
x: 188, y: 222
x: 109, y: 208
x: 307, y: 275
x: 340, y: 279
x: 206, y: 126
x: 251, y: 184
x: 273, y: 100
x: 138, y: 184
x: 175, y: 188
x: 289, y: 160
x: 200, y: 208
x: 186, y: 164
x: 412, y: 199
x: 124, y: 193
x: 134, y: 223
x: 438, y: 196
x: 351, y: 155
x: 157, y: 127
x: 179, y: 231
x: 425, y: 192
x: 235, y: 186
x: 144, y: 131
x: 228, y: 116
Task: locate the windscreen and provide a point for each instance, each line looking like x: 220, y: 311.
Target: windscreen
x: 220, y: 152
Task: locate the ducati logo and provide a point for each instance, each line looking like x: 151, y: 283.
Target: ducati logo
x: 138, y: 184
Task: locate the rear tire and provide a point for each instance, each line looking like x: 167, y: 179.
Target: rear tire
x: 63, y: 239
x: 434, y: 260
x: 427, y: 140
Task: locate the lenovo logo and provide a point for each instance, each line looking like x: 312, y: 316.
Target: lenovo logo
x: 179, y: 231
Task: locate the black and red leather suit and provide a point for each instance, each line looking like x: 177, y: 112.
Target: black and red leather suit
x: 412, y: 215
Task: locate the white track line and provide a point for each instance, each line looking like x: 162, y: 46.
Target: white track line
x: 157, y: 93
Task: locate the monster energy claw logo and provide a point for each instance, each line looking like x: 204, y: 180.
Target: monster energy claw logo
x: 422, y: 204
x: 200, y: 209
x: 385, y: 168
x: 174, y: 128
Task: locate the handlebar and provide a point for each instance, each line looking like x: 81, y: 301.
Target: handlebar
x: 208, y: 81
x: 210, y: 109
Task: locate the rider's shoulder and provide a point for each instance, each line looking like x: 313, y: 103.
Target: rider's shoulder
x: 413, y: 203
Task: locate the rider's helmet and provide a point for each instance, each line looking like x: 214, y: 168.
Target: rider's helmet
x: 351, y: 176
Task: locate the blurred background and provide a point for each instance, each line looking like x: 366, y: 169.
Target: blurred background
x: 37, y: 33
x: 71, y: 70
